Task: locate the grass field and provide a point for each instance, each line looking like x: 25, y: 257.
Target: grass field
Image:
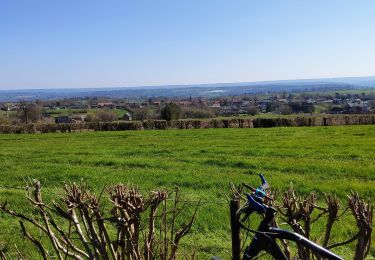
x: 201, y: 162
x: 70, y: 112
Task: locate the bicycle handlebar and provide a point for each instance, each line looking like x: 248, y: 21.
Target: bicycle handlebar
x: 255, y: 203
x: 256, y: 198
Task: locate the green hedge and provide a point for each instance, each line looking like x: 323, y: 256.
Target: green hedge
x: 192, y: 124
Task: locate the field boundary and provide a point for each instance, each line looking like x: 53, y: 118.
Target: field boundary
x: 298, y: 121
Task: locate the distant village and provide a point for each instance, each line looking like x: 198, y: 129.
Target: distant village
x: 100, y: 109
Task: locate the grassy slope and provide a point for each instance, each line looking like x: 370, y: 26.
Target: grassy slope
x: 201, y: 162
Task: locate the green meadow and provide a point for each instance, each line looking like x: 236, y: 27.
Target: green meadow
x: 202, y: 162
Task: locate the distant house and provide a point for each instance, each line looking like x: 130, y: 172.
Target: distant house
x: 63, y: 119
x: 237, y: 103
x: 337, y: 101
x: 78, y: 118
x: 282, y: 100
x: 106, y: 105
x: 202, y: 102
x: 185, y: 103
x: 356, y: 107
x: 311, y: 101
x: 127, y: 117
x: 9, y: 107
x: 215, y: 104
x: 156, y: 103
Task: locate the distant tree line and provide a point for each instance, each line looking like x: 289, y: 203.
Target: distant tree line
x: 88, y: 109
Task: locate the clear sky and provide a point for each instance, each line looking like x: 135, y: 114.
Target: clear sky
x: 87, y: 43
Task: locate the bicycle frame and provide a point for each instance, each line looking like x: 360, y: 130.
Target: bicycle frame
x: 265, y: 239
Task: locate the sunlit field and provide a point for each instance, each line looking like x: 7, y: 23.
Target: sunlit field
x: 201, y: 162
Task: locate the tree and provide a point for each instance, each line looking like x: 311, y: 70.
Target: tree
x: 143, y: 113
x: 171, y: 111
x: 106, y: 116
x: 30, y: 113
x: 102, y: 116
x: 272, y: 106
x: 252, y: 110
x: 286, y: 110
x: 302, y: 107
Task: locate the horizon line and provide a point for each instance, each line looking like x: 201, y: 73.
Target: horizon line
x: 189, y: 84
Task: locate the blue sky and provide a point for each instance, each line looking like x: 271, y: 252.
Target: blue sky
x: 87, y: 43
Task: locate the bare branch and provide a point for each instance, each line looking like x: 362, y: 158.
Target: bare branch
x: 36, y: 242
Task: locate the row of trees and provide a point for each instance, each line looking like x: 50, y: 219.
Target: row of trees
x: 33, y: 113
x: 172, y: 111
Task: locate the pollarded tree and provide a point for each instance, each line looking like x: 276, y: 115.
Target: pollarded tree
x: 30, y: 113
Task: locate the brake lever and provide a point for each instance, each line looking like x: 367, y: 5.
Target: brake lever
x: 256, y: 206
x: 254, y: 190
